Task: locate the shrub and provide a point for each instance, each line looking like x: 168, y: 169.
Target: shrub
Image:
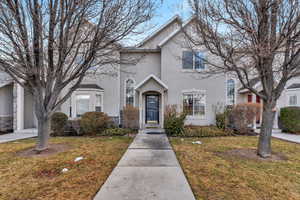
x: 205, y: 131
x: 58, y: 123
x: 242, y: 116
x: 92, y: 123
x: 290, y: 119
x: 130, y: 117
x: 221, y: 120
x: 116, y: 132
x: 73, y: 128
x: 174, y: 121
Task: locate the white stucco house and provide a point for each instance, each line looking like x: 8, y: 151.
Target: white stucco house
x: 166, y: 73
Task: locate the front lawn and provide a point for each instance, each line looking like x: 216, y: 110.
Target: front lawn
x: 42, y: 177
x: 215, y: 175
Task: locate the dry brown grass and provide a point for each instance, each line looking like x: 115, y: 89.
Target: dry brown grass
x: 28, y: 178
x: 214, y: 177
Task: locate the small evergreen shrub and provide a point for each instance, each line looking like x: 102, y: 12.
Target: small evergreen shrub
x: 174, y: 121
x: 290, y: 119
x: 221, y: 120
x: 58, y: 123
x: 93, y: 123
x: 205, y: 131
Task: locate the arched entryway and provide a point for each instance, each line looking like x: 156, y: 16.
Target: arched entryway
x: 151, y: 102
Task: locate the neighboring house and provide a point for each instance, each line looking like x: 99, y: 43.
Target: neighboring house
x: 166, y: 72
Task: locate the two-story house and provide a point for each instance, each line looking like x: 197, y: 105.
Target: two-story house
x: 165, y: 72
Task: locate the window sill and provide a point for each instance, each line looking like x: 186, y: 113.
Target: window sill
x: 195, y: 117
x: 192, y: 70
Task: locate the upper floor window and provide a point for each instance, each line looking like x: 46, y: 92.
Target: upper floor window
x: 194, y: 103
x: 230, y: 92
x: 129, y: 92
x: 293, y: 100
x: 193, y: 60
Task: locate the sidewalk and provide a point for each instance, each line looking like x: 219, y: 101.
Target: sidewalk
x: 15, y: 136
x: 149, y: 170
x: 287, y: 137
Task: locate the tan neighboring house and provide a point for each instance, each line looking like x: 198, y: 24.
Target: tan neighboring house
x: 167, y: 73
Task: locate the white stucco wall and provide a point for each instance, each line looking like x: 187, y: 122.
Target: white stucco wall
x: 179, y: 80
x: 6, y: 100
x: 148, y: 63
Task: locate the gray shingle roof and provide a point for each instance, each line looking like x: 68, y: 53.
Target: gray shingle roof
x: 90, y: 86
x: 294, y: 85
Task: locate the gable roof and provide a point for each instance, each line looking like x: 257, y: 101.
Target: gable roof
x: 151, y: 76
x: 294, y: 86
x: 173, y: 19
x: 163, y: 42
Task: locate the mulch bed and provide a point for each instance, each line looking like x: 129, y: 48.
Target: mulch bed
x: 251, y: 154
x: 52, y: 149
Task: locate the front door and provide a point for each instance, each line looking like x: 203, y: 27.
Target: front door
x: 152, y: 109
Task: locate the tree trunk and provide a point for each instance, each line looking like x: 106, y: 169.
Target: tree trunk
x: 264, y: 144
x: 43, y: 134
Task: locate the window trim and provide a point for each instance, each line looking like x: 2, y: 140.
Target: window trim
x: 92, y: 93
x: 81, y: 94
x: 195, y: 91
x: 134, y: 83
x: 235, y: 91
x: 194, y: 60
x: 293, y: 95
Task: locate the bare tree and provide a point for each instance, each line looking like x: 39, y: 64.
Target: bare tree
x: 49, y: 45
x: 252, y: 39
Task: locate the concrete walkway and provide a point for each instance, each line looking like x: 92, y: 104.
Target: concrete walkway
x: 149, y: 170
x: 287, y: 137
x: 15, y: 136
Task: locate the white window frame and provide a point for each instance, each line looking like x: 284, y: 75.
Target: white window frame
x: 92, y: 106
x: 226, y: 91
x: 82, y: 94
x: 101, y: 96
x: 194, y: 61
x: 289, y: 97
x: 134, y: 83
x: 195, y: 91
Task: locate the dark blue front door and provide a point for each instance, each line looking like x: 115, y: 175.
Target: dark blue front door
x: 152, y: 109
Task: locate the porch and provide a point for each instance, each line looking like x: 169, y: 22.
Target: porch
x: 152, y: 94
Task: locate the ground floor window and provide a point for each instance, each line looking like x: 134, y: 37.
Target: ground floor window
x: 98, y: 103
x: 293, y: 100
x: 194, y: 103
x: 82, y: 104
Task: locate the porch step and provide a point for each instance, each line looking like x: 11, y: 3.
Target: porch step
x: 152, y: 131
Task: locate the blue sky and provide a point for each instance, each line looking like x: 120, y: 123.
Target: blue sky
x: 166, y: 10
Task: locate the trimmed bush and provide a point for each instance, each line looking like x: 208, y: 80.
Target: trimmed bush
x: 290, y: 119
x: 205, y: 131
x: 130, y: 116
x: 116, y: 132
x: 93, y: 123
x: 58, y: 123
x: 174, y: 121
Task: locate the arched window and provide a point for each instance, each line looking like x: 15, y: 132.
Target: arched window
x: 129, y: 92
x: 230, y: 92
